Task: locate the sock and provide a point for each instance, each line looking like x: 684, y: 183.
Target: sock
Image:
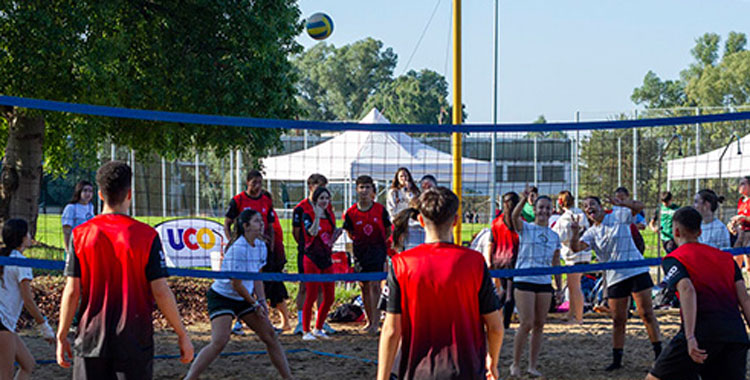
x: 616, y: 360
x: 657, y: 349
x: 299, y: 316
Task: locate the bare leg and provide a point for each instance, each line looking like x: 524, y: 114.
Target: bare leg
x: 8, y: 355
x: 25, y: 360
x: 541, y: 308
x: 525, y: 305
x: 646, y: 311
x: 364, y: 285
x: 374, y: 288
x: 284, y: 311
x: 619, y: 309
x: 575, y: 311
x: 221, y: 328
x: 263, y: 328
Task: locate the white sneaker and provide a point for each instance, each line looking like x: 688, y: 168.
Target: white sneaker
x: 329, y: 329
x: 320, y: 334
x: 309, y: 336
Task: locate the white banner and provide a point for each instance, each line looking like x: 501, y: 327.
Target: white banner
x: 192, y: 242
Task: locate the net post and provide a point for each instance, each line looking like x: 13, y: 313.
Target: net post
x: 163, y: 188
x: 457, y: 109
x: 197, y: 185
x: 697, y: 146
x: 635, y: 158
x: 493, y: 147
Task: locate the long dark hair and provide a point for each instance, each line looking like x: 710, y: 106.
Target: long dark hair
x: 318, y: 192
x: 78, y: 189
x: 708, y: 195
x: 401, y: 226
x: 14, y: 230
x: 411, y: 187
x: 238, y: 230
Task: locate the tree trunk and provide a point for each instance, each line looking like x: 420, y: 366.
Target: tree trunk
x: 21, y: 174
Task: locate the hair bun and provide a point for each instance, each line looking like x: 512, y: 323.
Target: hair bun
x: 720, y: 199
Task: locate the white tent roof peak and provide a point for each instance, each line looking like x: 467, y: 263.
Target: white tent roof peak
x: 374, y: 117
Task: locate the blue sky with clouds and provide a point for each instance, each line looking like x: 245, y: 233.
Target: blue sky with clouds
x: 556, y: 57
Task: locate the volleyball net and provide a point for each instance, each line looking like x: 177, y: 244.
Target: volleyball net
x: 186, y: 197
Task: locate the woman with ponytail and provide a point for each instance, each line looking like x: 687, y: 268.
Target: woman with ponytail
x: 15, y: 293
x: 713, y: 231
x: 242, y: 299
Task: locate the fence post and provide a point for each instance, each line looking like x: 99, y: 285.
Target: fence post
x: 577, y: 182
x: 536, y: 163
x: 697, y: 146
x: 132, y: 182
x: 231, y: 173
x: 635, y: 158
x: 163, y: 188
x: 238, y: 169
x: 619, y: 161
x: 197, y: 186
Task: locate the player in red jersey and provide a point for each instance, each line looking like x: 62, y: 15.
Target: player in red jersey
x: 304, y: 207
x: 438, y: 300
x: 116, y: 267
x: 712, y: 341
x: 504, y: 252
x: 368, y: 225
x: 256, y: 198
x: 741, y: 222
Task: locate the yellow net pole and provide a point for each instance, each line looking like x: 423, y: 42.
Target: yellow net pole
x: 457, y: 115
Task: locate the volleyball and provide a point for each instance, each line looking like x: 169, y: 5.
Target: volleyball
x: 319, y: 26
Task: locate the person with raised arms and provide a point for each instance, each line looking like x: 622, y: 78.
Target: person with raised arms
x: 440, y: 304
x: 609, y: 237
x: 712, y: 342
x: 539, y: 248
x: 242, y: 299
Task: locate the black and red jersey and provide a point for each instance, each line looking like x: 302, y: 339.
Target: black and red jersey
x: 304, y: 207
x: 713, y: 273
x: 116, y: 258
x: 318, y: 247
x: 441, y: 291
x: 263, y: 204
x: 367, y: 228
x: 506, y: 244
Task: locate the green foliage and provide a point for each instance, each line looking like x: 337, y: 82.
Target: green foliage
x: 335, y: 82
x: 416, y: 98
x: 214, y: 57
x: 547, y: 134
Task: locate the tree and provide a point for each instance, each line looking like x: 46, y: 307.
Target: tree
x: 335, y: 82
x: 414, y: 98
x: 546, y: 134
x: 200, y: 56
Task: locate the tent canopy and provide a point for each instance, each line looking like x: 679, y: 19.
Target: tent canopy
x: 377, y: 154
x: 706, y: 165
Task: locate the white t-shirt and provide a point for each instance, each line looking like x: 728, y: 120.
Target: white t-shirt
x: 537, y: 249
x: 75, y: 214
x: 714, y: 234
x: 611, y: 240
x: 562, y: 228
x: 11, y: 303
x: 241, y: 257
x: 397, y: 201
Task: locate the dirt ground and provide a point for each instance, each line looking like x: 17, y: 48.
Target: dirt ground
x: 569, y: 352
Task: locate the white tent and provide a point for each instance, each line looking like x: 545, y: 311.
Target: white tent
x: 377, y: 154
x: 707, y: 165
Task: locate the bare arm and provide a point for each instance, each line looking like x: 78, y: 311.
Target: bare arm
x: 67, y: 231
x: 688, y: 306
x: 494, y: 324
x: 390, y: 337
x: 68, y: 305
x: 260, y: 293
x: 575, y: 244
x: 242, y: 291
x: 315, y: 227
x: 558, y: 277
x: 28, y: 301
x: 166, y: 303
x: 228, y: 227
x: 516, y: 215
x: 744, y: 300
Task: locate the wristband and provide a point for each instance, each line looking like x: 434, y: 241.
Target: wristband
x: 691, y: 338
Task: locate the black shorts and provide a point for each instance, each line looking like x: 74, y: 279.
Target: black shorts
x: 630, y: 285
x: 106, y: 368
x: 275, y: 292
x: 531, y: 287
x: 726, y: 361
x: 219, y: 305
x: 300, y: 260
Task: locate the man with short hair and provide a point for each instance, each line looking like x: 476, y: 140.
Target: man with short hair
x: 427, y: 182
x: 528, y: 207
x: 116, y: 268
x: 712, y: 341
x: 439, y: 299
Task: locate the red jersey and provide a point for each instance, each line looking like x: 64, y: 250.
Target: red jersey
x: 506, y: 244
x: 304, y: 207
x: 116, y: 258
x: 743, y: 208
x: 441, y: 291
x: 264, y: 205
x: 367, y: 228
x: 318, y: 247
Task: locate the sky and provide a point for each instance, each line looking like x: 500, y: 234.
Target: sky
x: 556, y: 57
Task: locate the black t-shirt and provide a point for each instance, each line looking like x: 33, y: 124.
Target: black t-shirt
x: 711, y: 324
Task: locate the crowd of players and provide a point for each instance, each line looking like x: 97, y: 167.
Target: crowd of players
x: 444, y: 315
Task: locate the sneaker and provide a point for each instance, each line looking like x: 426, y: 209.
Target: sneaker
x: 309, y: 336
x: 298, y: 329
x: 328, y: 329
x: 320, y: 334
x: 237, y: 329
